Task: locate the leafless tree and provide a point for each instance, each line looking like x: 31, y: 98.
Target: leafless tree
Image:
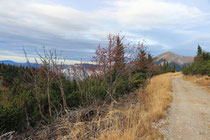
x: 58, y: 65
x: 40, y: 78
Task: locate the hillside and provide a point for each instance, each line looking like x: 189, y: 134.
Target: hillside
x: 129, y: 119
x: 10, y: 62
x: 173, y: 58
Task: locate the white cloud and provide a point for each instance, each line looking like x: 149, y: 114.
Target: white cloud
x: 148, y: 14
x: 43, y: 17
x: 33, y: 23
x: 121, y: 15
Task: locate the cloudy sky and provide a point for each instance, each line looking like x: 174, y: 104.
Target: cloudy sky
x: 75, y: 27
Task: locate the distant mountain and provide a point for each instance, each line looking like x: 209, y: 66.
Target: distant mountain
x: 81, y: 70
x: 173, y: 58
x: 9, y: 62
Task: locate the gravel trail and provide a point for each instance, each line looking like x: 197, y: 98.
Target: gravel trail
x: 189, y: 114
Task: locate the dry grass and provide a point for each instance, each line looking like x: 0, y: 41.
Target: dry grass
x: 138, y: 120
x: 133, y: 118
x: 200, y: 80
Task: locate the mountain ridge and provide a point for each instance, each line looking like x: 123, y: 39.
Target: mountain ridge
x: 172, y: 58
x: 10, y: 62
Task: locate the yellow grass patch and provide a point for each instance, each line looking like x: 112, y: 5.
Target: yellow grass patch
x: 138, y: 121
x: 200, y: 80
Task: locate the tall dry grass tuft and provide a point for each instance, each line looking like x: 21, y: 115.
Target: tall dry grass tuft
x: 137, y: 120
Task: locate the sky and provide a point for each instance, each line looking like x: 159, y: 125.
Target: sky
x: 75, y: 27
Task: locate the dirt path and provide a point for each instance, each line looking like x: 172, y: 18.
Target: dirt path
x: 189, y: 115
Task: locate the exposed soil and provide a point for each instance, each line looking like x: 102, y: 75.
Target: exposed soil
x: 189, y: 115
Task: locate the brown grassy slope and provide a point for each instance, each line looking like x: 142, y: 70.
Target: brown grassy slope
x: 200, y: 80
x: 133, y: 118
x: 138, y: 120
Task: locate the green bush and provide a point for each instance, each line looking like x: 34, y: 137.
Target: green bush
x: 122, y: 87
x: 137, y: 79
x: 202, y: 67
x: 11, y: 118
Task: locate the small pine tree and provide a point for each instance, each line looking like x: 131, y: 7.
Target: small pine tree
x: 199, y: 51
x: 150, y: 59
x: 174, y: 68
x: 119, y: 57
x: 141, y: 62
x: 164, y: 67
